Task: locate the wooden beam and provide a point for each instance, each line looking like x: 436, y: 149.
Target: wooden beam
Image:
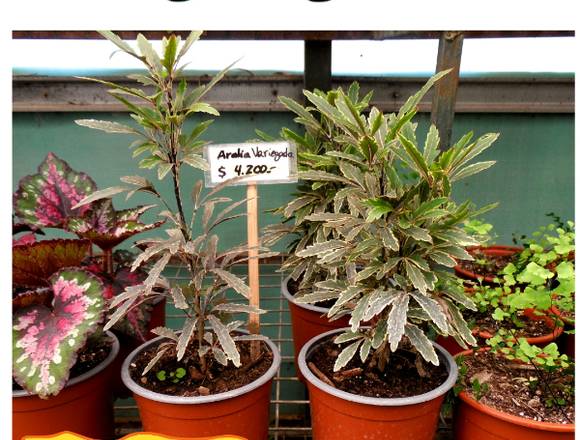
x: 443, y: 108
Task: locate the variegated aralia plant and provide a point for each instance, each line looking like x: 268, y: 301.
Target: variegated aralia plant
x: 47, y: 199
x: 161, y: 108
x: 393, y: 227
x: 56, y: 307
x: 317, y: 151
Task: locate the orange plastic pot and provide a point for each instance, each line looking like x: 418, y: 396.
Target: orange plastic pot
x: 340, y: 415
x: 243, y: 411
x: 84, y: 406
x: 475, y: 421
x: 496, y: 250
x: 308, y: 321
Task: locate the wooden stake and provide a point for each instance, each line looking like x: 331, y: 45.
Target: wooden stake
x: 253, y: 265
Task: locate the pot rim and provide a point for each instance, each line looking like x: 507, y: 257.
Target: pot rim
x: 491, y: 248
x: 286, y: 293
x: 86, y: 375
x: 377, y: 401
x: 516, y: 420
x: 196, y: 400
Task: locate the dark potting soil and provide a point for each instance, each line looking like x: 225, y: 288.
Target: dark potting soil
x: 485, y: 322
x: 92, y: 354
x: 492, y: 266
x: 400, y: 378
x: 509, y: 388
x: 218, y: 378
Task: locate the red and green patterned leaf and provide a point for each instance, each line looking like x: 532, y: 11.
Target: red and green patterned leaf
x: 46, y: 199
x: 106, y: 227
x: 45, y: 340
x: 33, y: 264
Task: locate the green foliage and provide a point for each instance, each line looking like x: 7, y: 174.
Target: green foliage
x: 377, y: 224
x: 555, y: 371
x: 161, y: 110
x: 480, y: 230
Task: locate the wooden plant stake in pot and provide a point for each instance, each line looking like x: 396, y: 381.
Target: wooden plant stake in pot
x: 243, y: 411
x: 84, y: 406
x: 308, y: 321
x: 541, y: 341
x: 475, y: 421
x: 494, y: 251
x: 340, y: 415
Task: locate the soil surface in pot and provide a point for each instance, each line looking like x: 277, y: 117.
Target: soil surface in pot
x: 400, y: 378
x: 92, y: 354
x: 218, y: 379
x: 508, y: 388
x: 487, y: 265
x: 485, y: 322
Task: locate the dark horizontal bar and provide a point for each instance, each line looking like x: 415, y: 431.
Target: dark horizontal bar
x: 288, y: 35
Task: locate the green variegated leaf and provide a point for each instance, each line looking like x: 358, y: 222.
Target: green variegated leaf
x: 346, y: 355
x: 378, y: 301
x: 225, y: 339
x: 185, y: 337
x: 471, y: 170
x: 365, y: 349
x: 431, y: 144
x: 416, y: 276
x: 419, y: 234
x: 443, y: 259
x: 347, y: 337
x: 397, y: 320
x: 233, y: 281
x: 380, y: 333
x: 317, y: 248
x: 421, y: 343
x: 358, y: 313
x: 433, y: 309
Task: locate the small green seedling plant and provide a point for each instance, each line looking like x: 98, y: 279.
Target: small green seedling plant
x: 554, y: 372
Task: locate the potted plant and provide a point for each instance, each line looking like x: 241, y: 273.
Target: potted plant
x: 488, y: 259
x: 206, y: 375
x: 61, y: 358
x: 316, y: 153
x: 513, y: 389
x: 395, y: 233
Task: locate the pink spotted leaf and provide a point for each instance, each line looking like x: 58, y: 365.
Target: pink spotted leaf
x: 46, y: 339
x: 46, y: 199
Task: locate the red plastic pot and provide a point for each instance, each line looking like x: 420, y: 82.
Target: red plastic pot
x: 84, y: 406
x: 496, y: 250
x: 541, y: 341
x: 340, y: 415
x: 475, y: 421
x: 308, y: 321
x: 243, y: 411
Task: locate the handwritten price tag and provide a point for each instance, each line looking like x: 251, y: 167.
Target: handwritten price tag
x: 259, y: 162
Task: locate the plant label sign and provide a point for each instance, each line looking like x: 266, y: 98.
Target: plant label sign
x: 257, y: 162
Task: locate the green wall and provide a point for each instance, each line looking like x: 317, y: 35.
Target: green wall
x: 534, y: 173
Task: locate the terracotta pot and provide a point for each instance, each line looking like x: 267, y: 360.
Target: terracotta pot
x: 475, y: 421
x: 340, y: 415
x: 84, y: 406
x: 243, y: 411
x: 308, y: 321
x: 496, y: 250
x: 541, y: 341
